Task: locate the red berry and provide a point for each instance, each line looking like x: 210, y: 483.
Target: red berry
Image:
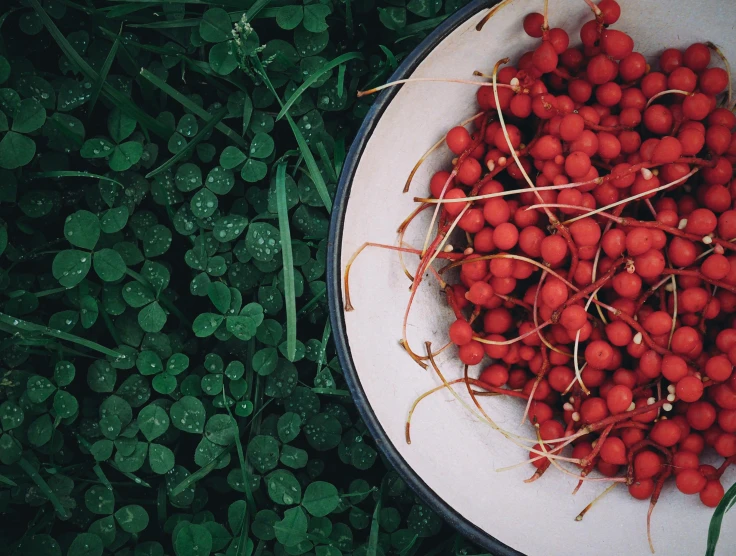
x: 619, y: 399
x: 670, y: 60
x: 642, y: 489
x: 665, y: 433
x: 616, y: 44
x: 690, y: 481
x: 712, y: 493
x: 471, y: 353
x: 495, y: 375
x: 697, y: 57
x: 613, y: 451
x: 533, y: 25
x: 646, y: 465
x: 689, y: 388
x: 458, y: 139
x: 713, y: 81
x: 545, y: 57
x: 610, y: 10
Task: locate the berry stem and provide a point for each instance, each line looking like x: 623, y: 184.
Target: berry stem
x: 348, y: 266
x: 433, y: 148
x: 633, y: 197
x: 674, y: 311
x: 587, y: 508
x: 667, y: 92
x: 589, y: 460
x: 653, y: 502
x: 586, y: 291
x: 545, y: 21
x: 501, y: 120
x: 596, y: 10
x: 700, y: 275
x: 488, y: 16
x: 428, y: 80
x: 504, y: 193
x: 729, y: 461
x: 515, y: 302
x: 454, y: 172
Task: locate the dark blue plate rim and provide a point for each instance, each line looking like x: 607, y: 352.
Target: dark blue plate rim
x: 334, y: 291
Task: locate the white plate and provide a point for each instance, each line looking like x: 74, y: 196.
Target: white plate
x: 453, y: 457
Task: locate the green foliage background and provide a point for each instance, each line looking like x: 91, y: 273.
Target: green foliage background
x: 167, y: 380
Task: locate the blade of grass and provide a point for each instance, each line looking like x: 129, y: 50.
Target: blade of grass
x: 411, y: 546
x: 331, y: 392
x: 389, y: 56
x: 25, y: 326
x: 326, y: 160
x: 101, y: 476
x: 4, y: 480
x: 193, y: 108
x: 311, y: 163
x: 287, y: 256
x: 168, y: 24
x: 71, y: 174
x: 323, y: 345
x: 339, y: 153
x: 75, y: 6
x: 269, y: 12
x: 162, y: 501
x: 165, y: 51
x: 245, y: 474
x: 372, y: 548
x: 111, y: 328
x: 202, y: 472
x: 421, y: 26
x: 52, y: 291
x: 341, y: 80
x: 201, y: 134
x: 314, y: 77
x: 256, y: 8
x: 43, y: 486
x: 311, y: 303
x: 114, y: 12
x: 349, y: 18
x: 241, y: 458
x: 125, y: 104
x: 714, y: 529
x: 131, y: 476
x: 102, y: 78
x: 84, y: 442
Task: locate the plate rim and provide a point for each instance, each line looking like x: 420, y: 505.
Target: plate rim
x: 334, y: 289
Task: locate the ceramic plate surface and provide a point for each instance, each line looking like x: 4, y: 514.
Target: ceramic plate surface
x: 453, y: 459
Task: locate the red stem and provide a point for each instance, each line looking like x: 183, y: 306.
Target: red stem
x: 724, y: 466
x: 516, y: 302
x: 450, y: 294
x: 698, y: 274
x: 586, y: 291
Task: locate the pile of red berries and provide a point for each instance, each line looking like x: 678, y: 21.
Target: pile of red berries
x: 604, y: 289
